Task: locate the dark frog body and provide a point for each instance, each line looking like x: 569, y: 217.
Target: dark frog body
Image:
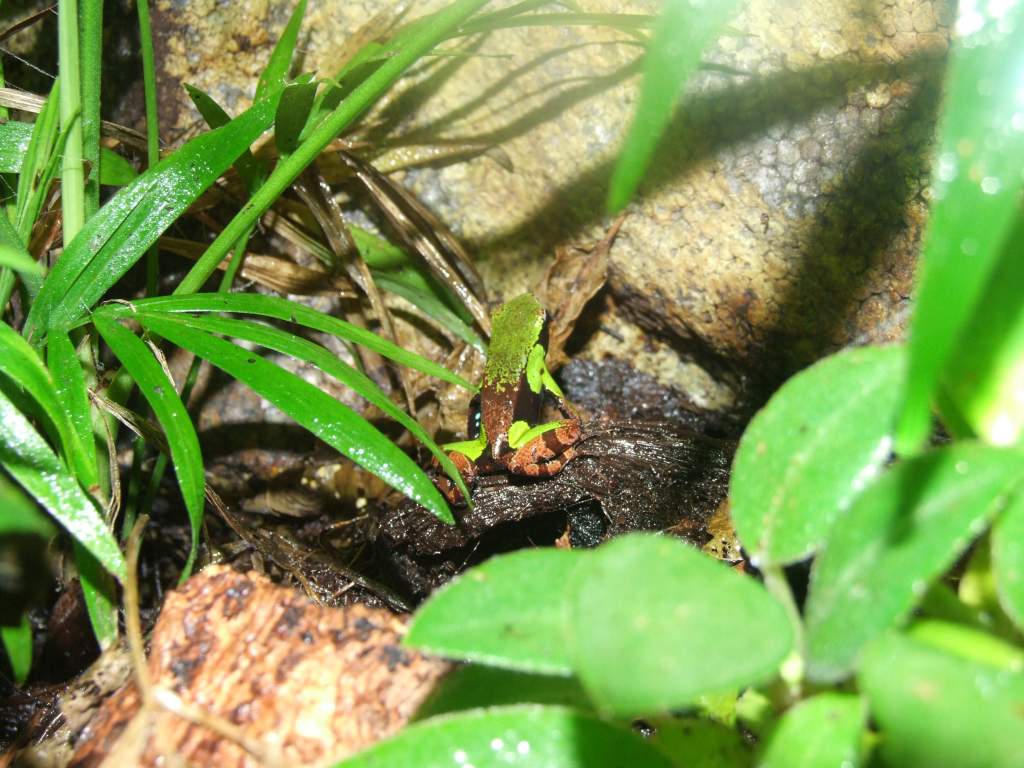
x: 505, y: 435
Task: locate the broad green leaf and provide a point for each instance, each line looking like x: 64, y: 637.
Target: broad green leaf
x: 972, y: 644
x: 824, y: 731
x: 326, y: 361
x: 1008, y: 559
x: 100, y: 595
x: 811, y: 450
x: 276, y: 72
x: 653, y: 624
x: 291, y: 312
x: 333, y: 422
x: 18, y: 515
x: 162, y: 397
x: 21, y: 363
x: 473, y: 685
x: 976, y: 197
x: 31, y: 462
x: 934, y: 708
x: 508, y: 612
x: 526, y: 736
x: 121, y: 232
x: 693, y: 742
x: 17, y: 642
x: 72, y: 394
x: 902, y: 533
x: 682, y: 32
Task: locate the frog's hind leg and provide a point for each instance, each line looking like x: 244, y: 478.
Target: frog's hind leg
x: 546, y: 454
x: 444, y: 483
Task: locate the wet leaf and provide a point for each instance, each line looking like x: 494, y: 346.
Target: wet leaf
x: 811, y: 450
x: 17, y: 642
x: 275, y: 73
x: 934, y: 708
x: 15, y: 138
x: 902, y: 533
x: 524, y: 736
x: 681, y: 33
x: 976, y: 197
x: 31, y: 462
x: 291, y: 312
x: 124, y: 228
x: 1008, y: 559
x: 653, y: 624
x: 72, y: 394
x: 824, y: 731
x: 333, y: 422
x: 507, y: 612
x: 162, y: 397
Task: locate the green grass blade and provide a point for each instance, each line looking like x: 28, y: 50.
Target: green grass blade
x: 249, y: 168
x: 275, y: 74
x: 427, y: 35
x: 17, y: 640
x: 407, y: 284
x: 100, y: 594
x: 72, y: 394
x: 331, y: 421
x: 21, y: 363
x: 16, y: 136
x: 91, y: 23
x: 33, y: 179
x: 163, y: 398
x: 31, y: 462
x: 303, y: 349
x: 292, y: 114
x: 680, y: 36
x: 977, y: 182
x: 149, y: 84
x: 291, y: 312
x: 117, y: 237
x: 12, y: 250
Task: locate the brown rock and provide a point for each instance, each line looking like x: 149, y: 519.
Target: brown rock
x: 303, y: 683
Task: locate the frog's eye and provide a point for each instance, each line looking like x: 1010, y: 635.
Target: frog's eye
x: 474, y: 419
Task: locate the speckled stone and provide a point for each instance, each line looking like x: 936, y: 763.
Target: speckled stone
x: 781, y: 215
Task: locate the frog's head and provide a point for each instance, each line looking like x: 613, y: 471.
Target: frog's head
x: 516, y: 328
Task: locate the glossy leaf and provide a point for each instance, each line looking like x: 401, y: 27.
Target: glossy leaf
x: 73, y: 395
x: 328, y: 362
x: 903, y: 532
x: 14, y: 146
x: 934, y: 708
x: 162, y: 397
x: 653, y: 624
x: 19, y: 515
x: 976, y: 196
x: 811, y: 450
x: 31, y: 462
x: 1008, y: 559
x: 473, y: 685
x: 251, y: 170
x: 21, y: 363
x: 981, y: 386
x: 17, y: 642
x: 682, y: 32
x: 117, y: 236
x: 275, y: 73
x: 507, y: 612
x: 333, y: 422
x: 824, y: 731
x: 291, y: 312
x: 292, y: 113
x: 527, y: 736
x: 100, y: 595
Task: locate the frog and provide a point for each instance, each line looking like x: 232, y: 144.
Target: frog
x: 503, y: 429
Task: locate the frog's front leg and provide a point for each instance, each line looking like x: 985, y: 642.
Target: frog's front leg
x: 541, y: 451
x: 464, y: 455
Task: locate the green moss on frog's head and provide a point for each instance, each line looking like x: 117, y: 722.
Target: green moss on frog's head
x: 515, y: 329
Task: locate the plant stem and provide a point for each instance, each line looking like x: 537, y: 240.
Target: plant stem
x: 152, y: 123
x: 72, y: 195
x: 777, y: 585
x: 92, y: 70
x: 288, y: 169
